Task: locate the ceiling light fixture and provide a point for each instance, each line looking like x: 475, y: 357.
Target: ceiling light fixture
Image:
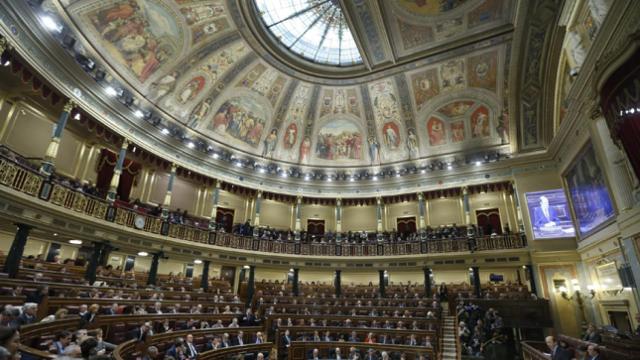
x: 143, y: 253
x: 139, y: 114
x: 110, y: 91
x: 374, y: 178
x: 216, y: 156
x: 50, y: 24
x: 75, y: 242
x: 77, y: 116
x: 478, y: 163
x: 191, y: 145
x: 197, y: 261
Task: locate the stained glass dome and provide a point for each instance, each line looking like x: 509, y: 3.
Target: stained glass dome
x: 313, y: 29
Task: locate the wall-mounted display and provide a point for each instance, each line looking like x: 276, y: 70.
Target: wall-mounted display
x: 549, y: 214
x: 588, y: 192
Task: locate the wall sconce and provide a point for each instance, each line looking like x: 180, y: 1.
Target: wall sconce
x: 563, y: 292
x: 592, y: 290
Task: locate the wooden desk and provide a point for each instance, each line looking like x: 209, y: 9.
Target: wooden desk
x: 302, y: 349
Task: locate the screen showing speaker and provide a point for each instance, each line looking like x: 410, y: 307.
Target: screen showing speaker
x: 549, y: 214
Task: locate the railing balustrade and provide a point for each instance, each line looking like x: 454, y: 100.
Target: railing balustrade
x: 28, y: 181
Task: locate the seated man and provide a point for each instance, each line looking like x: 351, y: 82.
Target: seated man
x: 151, y: 353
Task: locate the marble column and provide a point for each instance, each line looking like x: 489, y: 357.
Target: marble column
x: 379, y: 210
x: 381, y: 283
x: 465, y: 206
x: 296, y: 285
x: 251, y: 285
x: 338, y: 283
x: 48, y: 162
x: 117, y: 171
x: 532, y: 279
x: 167, y: 197
x: 215, y: 199
x: 427, y: 282
x: 12, y: 262
x: 204, y: 279
x: 153, y: 271
x: 298, y: 215
x: 94, y: 261
x: 256, y: 210
x: 422, y: 224
x: 475, y: 271
x: 516, y: 200
x: 338, y: 212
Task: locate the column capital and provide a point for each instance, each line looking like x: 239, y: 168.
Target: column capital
x: 465, y: 190
x: 338, y: 202
x: 259, y: 194
x: 69, y: 105
x: 218, y: 184
x: 299, y: 199
x: 125, y: 144
x: 174, y: 168
x: 379, y: 200
x: 420, y: 195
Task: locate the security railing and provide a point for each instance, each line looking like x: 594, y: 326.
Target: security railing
x: 23, y: 179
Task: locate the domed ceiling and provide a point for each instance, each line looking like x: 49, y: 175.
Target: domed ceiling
x: 187, y: 58
x: 335, y: 85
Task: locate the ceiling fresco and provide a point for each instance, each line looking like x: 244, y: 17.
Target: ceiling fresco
x: 186, y: 58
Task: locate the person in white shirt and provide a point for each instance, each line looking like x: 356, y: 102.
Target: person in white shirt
x: 234, y: 323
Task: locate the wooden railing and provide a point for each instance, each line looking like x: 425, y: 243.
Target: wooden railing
x: 301, y: 349
x: 534, y: 350
x: 28, y: 181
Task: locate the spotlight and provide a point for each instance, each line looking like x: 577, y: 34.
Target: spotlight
x: 197, y: 261
x: 143, y: 253
x: 75, y: 242
x: 165, y: 131
x: 77, y: 116
x: 50, y: 24
x: 283, y: 174
x: 307, y: 177
x: 449, y: 167
x: 351, y: 179
x: 139, y: 114
x: 110, y: 91
x: 85, y: 62
x: 478, y: 163
x: 262, y: 170
x: 329, y: 179
x: 374, y: 178
x: 238, y: 164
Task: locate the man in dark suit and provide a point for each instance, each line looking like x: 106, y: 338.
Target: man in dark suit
x: 191, y: 350
x: 354, y: 337
x: 140, y: 334
x: 592, y: 335
x: 557, y: 351
x: 238, y: 340
x: 593, y: 352
x: 28, y: 316
x: 286, y: 339
x: 225, y: 341
x: 371, y: 355
x: 249, y: 319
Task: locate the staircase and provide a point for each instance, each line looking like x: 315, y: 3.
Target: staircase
x: 449, y: 350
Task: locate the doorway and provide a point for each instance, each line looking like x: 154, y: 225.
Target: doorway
x: 315, y: 226
x: 224, y: 217
x: 489, y: 221
x: 406, y: 225
x: 620, y: 320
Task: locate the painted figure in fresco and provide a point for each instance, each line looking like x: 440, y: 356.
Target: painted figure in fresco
x: 480, y: 124
x: 199, y: 112
x: 290, y: 136
x: 452, y: 74
x: 435, y: 127
x: 501, y: 129
x: 412, y: 144
x: 165, y: 85
x: 191, y: 89
x: 390, y: 135
x: 235, y: 119
x: 139, y: 36
x: 270, y: 143
x: 374, y: 151
x: 336, y: 146
x: 457, y: 132
x: 305, y: 150
x: 198, y: 13
x: 387, y: 105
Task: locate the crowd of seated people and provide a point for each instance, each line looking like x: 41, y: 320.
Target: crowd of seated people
x: 364, y: 353
x: 479, y: 329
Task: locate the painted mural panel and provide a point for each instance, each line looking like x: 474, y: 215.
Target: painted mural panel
x: 588, y: 192
x: 293, y: 148
x: 453, y: 75
x: 241, y: 118
x: 482, y: 70
x: 425, y: 86
x: 388, y: 120
x: 339, y: 101
x: 139, y: 35
x: 436, y: 131
x: 429, y: 8
x: 480, y: 123
x: 339, y: 139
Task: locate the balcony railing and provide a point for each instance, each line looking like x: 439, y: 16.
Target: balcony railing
x: 28, y: 181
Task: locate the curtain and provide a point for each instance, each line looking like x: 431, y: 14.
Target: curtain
x: 224, y: 216
x: 128, y: 178
x: 315, y: 226
x: 489, y: 221
x: 406, y: 225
